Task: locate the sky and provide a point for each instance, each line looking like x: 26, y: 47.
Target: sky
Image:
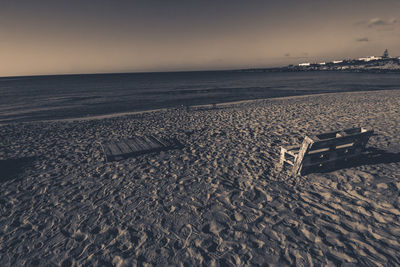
x: 64, y: 37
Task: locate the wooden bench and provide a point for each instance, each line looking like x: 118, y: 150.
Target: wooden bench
x: 325, y: 150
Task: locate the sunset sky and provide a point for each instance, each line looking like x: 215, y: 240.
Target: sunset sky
x: 52, y: 37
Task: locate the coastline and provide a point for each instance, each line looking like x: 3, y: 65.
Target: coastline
x: 220, y: 104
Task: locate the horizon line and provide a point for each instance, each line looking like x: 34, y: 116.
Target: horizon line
x: 160, y: 71
x: 138, y: 72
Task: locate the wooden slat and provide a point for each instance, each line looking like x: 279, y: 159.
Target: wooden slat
x: 133, y: 145
x: 124, y: 147
x: 163, y: 142
x: 344, y: 146
x: 310, y: 152
x: 143, y: 141
x: 340, y: 140
x: 128, y: 143
x: 138, y: 144
x: 353, y: 130
x: 299, y: 159
x: 292, y: 153
x: 152, y: 143
x: 156, y: 141
x: 281, y: 159
x: 114, y: 149
x: 327, y: 135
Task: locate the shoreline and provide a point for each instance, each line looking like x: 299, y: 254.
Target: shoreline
x: 222, y: 104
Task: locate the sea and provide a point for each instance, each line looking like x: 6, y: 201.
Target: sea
x: 37, y: 98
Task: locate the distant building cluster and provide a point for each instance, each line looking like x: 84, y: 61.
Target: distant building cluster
x: 370, y: 58
x: 385, y: 56
x: 382, y: 64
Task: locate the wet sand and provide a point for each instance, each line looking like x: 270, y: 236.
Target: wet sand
x: 219, y: 201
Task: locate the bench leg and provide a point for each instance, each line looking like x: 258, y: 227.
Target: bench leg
x: 298, y: 164
x: 282, y: 159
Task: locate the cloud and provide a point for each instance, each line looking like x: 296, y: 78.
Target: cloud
x: 363, y: 39
x: 299, y: 56
x: 377, y: 22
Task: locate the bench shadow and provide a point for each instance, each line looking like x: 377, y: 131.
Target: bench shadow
x: 371, y: 156
x: 11, y: 168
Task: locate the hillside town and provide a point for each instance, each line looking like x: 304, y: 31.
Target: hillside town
x: 369, y: 63
x: 384, y: 63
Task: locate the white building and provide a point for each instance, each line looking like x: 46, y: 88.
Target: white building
x: 370, y: 58
x: 322, y: 63
x: 337, y: 61
x: 304, y: 64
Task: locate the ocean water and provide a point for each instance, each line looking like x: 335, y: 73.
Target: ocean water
x: 73, y: 96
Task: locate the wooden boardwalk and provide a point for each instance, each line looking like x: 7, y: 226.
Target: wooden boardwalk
x: 137, y: 145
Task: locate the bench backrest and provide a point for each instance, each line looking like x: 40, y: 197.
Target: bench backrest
x: 329, y: 147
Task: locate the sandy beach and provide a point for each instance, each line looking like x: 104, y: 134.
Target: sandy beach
x: 218, y: 201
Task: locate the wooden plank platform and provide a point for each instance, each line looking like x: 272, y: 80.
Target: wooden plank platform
x: 137, y: 145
